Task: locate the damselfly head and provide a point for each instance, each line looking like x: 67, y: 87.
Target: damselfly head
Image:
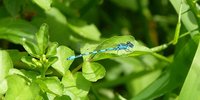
x: 129, y: 44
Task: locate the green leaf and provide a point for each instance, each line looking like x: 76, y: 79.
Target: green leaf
x: 5, y: 64
x: 93, y: 71
x: 63, y: 97
x: 190, y: 89
x: 16, y: 30
x: 14, y: 6
x: 57, y: 24
x: 31, y: 48
x: 75, y: 86
x: 51, y: 85
x: 52, y: 49
x: 42, y: 37
x: 195, y: 9
x: 62, y: 65
x: 19, y: 88
x: 16, y: 56
x: 144, y: 81
x: 28, y: 75
x: 137, y: 50
x: 44, y: 4
x: 28, y: 60
x: 3, y: 86
x: 51, y: 60
x: 87, y: 31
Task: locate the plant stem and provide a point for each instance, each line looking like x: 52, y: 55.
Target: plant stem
x: 77, y: 68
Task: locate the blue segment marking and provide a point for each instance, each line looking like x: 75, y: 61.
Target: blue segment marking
x: 121, y: 46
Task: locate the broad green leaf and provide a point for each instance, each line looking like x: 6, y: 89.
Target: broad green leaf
x: 190, y: 89
x: 75, y: 86
x: 3, y: 87
x: 168, y: 79
x: 50, y: 96
x: 57, y: 15
x: 20, y: 89
x: 57, y: 26
x: 52, y: 49
x: 93, y: 71
x: 28, y: 75
x: 44, y: 4
x: 5, y: 64
x: 62, y: 65
x: 42, y: 37
x: 14, y: 6
x: 16, y: 30
x: 51, y: 85
x: 138, y: 49
x: 31, y: 48
x: 86, y: 31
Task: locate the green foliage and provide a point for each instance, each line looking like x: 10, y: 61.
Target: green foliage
x: 75, y: 86
x: 37, y: 37
x: 190, y: 88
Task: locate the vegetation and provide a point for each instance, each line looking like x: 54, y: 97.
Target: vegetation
x: 37, y: 37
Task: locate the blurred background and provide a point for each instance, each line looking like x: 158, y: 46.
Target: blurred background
x: 149, y: 21
x: 76, y: 22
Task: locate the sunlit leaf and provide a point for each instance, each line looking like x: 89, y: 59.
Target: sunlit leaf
x: 5, y: 64
x: 31, y: 48
x: 136, y: 50
x: 3, y: 86
x: 42, y: 37
x: 93, y: 71
x: 75, y: 86
x: 28, y: 75
x: 51, y: 85
x: 21, y: 89
x: 62, y: 65
x: 87, y: 31
x: 52, y: 49
x: 16, y: 30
